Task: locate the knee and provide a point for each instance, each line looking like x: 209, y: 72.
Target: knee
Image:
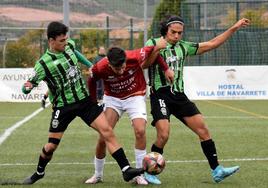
x: 48, y: 150
x: 106, y: 134
x: 140, y: 133
x: 50, y: 147
x: 105, y: 130
x: 163, y: 136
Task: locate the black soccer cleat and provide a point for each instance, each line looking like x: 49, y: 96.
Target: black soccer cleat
x: 32, y: 179
x: 131, y: 173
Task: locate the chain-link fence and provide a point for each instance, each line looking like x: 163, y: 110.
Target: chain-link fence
x: 95, y: 23
x: 207, y: 19
x: 92, y: 23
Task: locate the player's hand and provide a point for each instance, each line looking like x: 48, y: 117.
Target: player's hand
x: 244, y: 22
x: 169, y: 74
x: 161, y: 43
x: 28, y: 86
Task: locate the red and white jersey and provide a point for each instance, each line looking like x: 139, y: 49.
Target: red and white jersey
x: 130, y: 83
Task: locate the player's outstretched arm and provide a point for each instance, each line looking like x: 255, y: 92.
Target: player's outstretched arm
x: 220, y: 39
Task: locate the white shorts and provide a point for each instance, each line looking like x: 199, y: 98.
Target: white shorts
x: 134, y: 106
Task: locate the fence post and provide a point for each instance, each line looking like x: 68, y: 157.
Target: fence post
x: 97, y: 39
x: 66, y: 13
x: 131, y: 34
x: 145, y: 33
x: 107, y: 32
x: 4, y: 53
x: 199, y: 29
x: 237, y: 11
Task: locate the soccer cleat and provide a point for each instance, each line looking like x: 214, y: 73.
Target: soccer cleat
x: 32, y: 179
x: 220, y: 173
x: 94, y: 180
x: 152, y: 179
x: 131, y: 173
x: 140, y: 180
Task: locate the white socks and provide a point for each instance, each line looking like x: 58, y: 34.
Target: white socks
x: 99, y: 166
x: 139, y: 155
x: 99, y: 163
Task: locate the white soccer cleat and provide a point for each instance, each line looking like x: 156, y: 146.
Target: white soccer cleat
x: 140, y: 180
x: 94, y: 180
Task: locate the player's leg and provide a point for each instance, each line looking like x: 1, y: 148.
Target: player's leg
x: 99, y: 161
x: 161, y: 114
x: 93, y: 115
x: 117, y: 152
x: 136, y: 109
x: 196, y: 124
x: 162, y: 130
x: 139, y: 126
x: 59, y: 122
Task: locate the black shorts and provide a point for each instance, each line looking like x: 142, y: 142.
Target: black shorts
x: 164, y: 103
x: 87, y: 110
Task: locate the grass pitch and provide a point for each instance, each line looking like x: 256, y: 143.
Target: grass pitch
x: 239, y: 129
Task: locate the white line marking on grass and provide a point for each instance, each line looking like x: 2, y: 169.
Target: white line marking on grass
x: 150, y: 116
x: 238, y: 109
x: 133, y: 162
x: 214, y: 117
x: 9, y: 131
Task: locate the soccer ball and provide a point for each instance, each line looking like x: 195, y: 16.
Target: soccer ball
x: 153, y: 163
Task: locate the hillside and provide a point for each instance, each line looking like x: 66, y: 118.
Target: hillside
x: 82, y: 12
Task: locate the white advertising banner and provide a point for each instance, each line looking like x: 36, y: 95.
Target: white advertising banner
x: 11, y: 81
x: 201, y: 83
x: 226, y: 82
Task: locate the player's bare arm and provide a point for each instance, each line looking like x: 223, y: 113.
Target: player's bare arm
x: 161, y: 44
x: 220, y: 39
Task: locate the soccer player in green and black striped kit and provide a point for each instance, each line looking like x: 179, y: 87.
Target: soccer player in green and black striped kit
x: 59, y: 68
x: 167, y: 99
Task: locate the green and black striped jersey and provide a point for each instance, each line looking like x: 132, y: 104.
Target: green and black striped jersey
x: 174, y: 56
x: 63, y: 76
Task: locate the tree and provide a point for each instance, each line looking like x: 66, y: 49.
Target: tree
x: 164, y: 9
x: 257, y: 16
x: 91, y: 40
x: 25, y: 51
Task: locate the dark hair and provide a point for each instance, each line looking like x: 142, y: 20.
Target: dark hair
x: 116, y: 56
x: 55, y: 29
x: 165, y: 24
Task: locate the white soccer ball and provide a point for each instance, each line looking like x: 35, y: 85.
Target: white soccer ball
x: 153, y: 163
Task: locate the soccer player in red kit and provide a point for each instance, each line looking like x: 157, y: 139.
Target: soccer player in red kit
x: 124, y: 91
